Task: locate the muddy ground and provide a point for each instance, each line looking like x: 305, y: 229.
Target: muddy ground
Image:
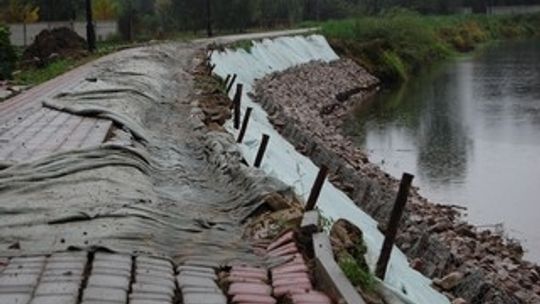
x: 307, y: 104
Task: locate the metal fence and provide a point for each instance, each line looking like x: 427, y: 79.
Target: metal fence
x: 104, y: 30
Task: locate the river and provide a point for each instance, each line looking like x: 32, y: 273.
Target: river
x: 469, y: 130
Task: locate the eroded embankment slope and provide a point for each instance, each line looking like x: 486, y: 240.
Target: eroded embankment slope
x: 284, y: 162
x: 162, y: 184
x: 306, y: 105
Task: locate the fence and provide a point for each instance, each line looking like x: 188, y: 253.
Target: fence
x: 104, y: 29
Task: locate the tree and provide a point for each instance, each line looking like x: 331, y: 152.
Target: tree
x: 20, y: 11
x: 164, y: 10
x: 7, y: 54
x: 105, y: 9
x: 59, y: 10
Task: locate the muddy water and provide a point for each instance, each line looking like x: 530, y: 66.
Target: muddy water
x: 470, y: 132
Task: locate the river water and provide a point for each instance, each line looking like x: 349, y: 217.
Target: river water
x: 469, y: 130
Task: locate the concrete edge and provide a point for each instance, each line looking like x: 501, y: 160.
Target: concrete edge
x: 330, y: 277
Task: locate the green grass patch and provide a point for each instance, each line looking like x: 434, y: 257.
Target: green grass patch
x: 358, y: 275
x: 397, y: 44
x: 33, y: 76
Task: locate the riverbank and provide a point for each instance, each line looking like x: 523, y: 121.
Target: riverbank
x: 395, y: 46
x: 478, y: 266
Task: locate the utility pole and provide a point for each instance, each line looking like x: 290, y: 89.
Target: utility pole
x: 209, y: 18
x: 90, y: 31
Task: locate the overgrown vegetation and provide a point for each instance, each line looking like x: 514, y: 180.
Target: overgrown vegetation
x: 8, y: 57
x: 398, y: 43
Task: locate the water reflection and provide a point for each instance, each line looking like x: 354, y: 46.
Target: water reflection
x: 470, y: 131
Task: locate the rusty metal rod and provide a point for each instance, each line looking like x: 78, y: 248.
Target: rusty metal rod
x: 316, y: 189
x: 237, y: 103
x: 244, y: 126
x: 229, y: 87
x: 393, y: 225
x: 262, y: 150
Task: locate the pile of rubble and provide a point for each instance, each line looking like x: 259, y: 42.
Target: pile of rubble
x: 308, y: 105
x: 8, y: 90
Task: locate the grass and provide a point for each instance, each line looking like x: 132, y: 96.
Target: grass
x: 357, y: 275
x: 396, y: 45
x: 35, y: 75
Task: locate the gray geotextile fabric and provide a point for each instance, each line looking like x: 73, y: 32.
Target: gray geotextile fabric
x: 162, y: 185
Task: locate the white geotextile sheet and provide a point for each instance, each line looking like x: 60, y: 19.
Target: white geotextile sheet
x: 284, y: 162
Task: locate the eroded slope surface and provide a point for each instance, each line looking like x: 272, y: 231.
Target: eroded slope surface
x: 161, y: 184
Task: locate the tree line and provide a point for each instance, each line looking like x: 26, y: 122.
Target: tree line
x: 153, y: 16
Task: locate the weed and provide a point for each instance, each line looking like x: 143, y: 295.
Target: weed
x: 358, y: 275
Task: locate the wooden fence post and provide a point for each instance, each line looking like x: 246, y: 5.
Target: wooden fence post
x: 229, y: 87
x: 244, y: 126
x: 262, y: 150
x: 316, y: 189
x: 237, y: 103
x: 393, y: 225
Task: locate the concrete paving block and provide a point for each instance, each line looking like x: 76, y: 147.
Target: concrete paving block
x: 147, y: 288
x: 14, y: 298
x: 21, y: 270
x: 28, y: 260
x: 21, y: 265
x: 192, y: 281
x: 153, y: 261
x: 101, y: 302
x: 66, y: 265
x: 153, y: 267
x: 70, y: 254
x: 67, y: 258
x: 111, y: 271
x: 207, y: 290
x: 22, y: 289
x: 202, y: 263
x: 101, y: 280
x: 104, y: 294
x: 120, y: 258
x: 143, y: 301
x: 66, y: 274
x: 211, y: 276
x: 112, y: 264
x: 55, y: 299
x: 200, y: 298
x: 311, y: 222
x: 58, y: 288
x: 195, y: 269
x: 155, y: 281
x: 18, y: 280
x: 150, y: 296
x: 155, y: 273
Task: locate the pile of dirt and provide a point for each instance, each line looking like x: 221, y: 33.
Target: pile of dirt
x: 49, y: 44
